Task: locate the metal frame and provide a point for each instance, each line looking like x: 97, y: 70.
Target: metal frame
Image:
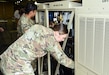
x: 46, y: 8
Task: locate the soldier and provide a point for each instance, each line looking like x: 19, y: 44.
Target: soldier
x: 26, y: 21
x: 35, y: 43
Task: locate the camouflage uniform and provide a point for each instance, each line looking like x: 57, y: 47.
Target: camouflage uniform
x: 35, y: 43
x: 24, y: 23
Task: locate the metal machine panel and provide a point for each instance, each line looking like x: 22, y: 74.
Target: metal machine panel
x: 106, y: 48
x: 41, y: 6
x: 63, y: 5
x: 93, y: 42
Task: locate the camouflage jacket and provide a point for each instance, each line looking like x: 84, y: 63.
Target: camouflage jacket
x: 24, y: 23
x: 34, y: 43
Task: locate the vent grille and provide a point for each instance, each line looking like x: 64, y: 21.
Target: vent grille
x: 94, y: 43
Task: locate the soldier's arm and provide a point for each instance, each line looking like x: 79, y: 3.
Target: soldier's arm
x: 57, y: 52
x: 25, y: 27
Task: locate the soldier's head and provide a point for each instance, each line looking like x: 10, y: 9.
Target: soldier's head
x: 30, y: 9
x: 60, y: 32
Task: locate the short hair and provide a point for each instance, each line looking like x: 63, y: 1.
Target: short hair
x: 61, y: 28
x: 30, y: 7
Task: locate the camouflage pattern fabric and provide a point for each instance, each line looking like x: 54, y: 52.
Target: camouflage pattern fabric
x: 34, y: 43
x: 24, y: 23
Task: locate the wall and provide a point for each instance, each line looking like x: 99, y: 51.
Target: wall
x: 6, y: 10
x: 6, y: 14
